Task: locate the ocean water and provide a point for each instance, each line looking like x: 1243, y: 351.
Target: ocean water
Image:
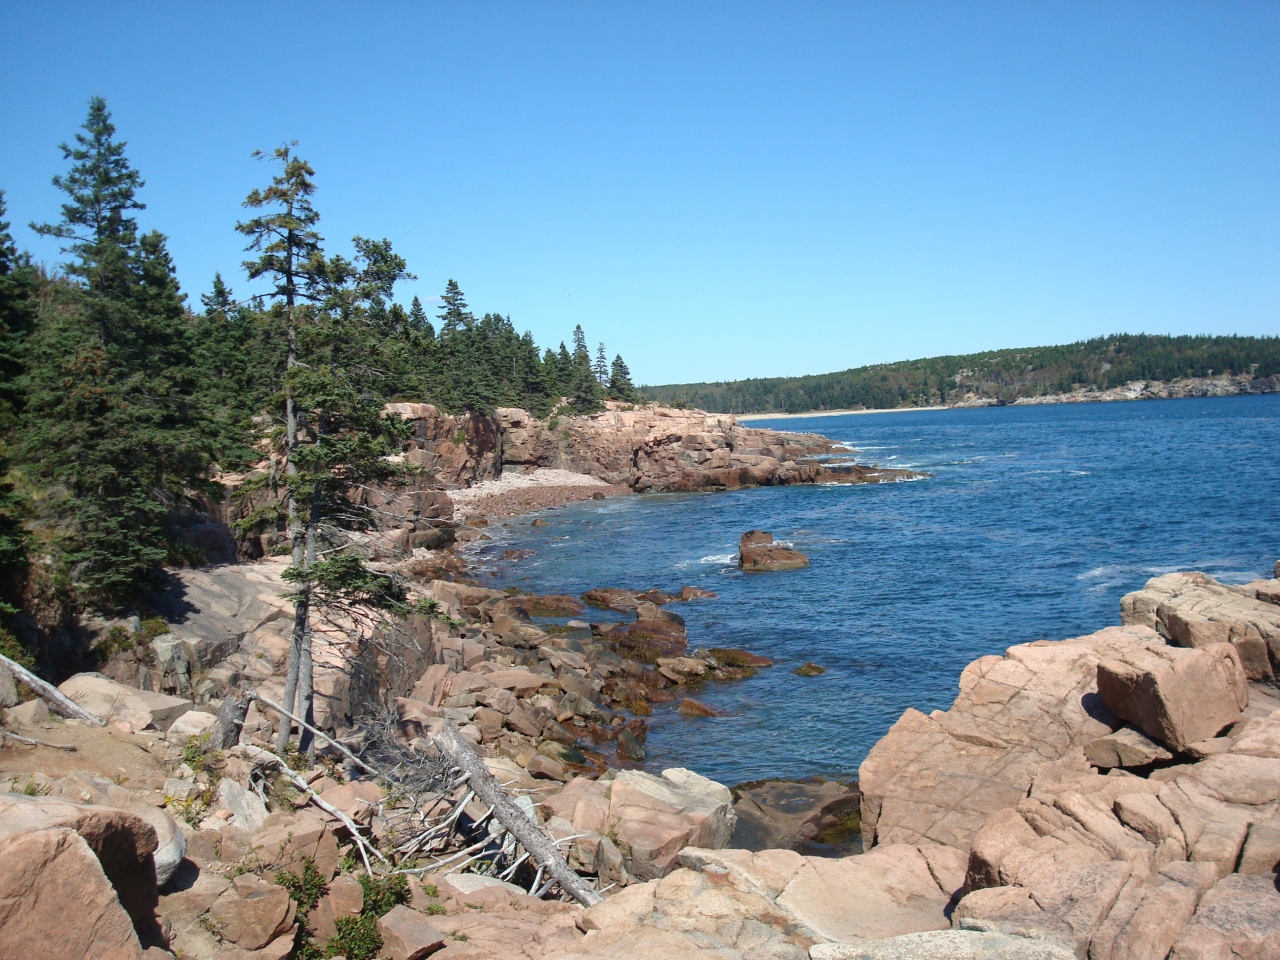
x: 1035, y: 522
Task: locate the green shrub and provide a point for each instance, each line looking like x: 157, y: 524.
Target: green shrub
x: 357, y: 938
x: 305, y: 890
x: 12, y: 648
x: 381, y: 896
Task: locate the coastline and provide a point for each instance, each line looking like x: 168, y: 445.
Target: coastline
x: 744, y: 417
x: 516, y: 494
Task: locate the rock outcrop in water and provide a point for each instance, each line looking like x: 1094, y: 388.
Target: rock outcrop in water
x: 757, y: 553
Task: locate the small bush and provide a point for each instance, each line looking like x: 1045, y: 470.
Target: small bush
x: 195, y: 750
x: 305, y: 890
x: 382, y: 896
x: 12, y: 648
x: 357, y: 938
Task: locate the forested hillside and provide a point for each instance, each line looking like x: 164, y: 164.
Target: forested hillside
x: 1005, y: 375
x: 120, y: 399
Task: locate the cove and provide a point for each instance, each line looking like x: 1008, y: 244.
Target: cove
x: 1034, y: 523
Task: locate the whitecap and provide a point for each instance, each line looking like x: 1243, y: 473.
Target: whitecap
x: 720, y: 558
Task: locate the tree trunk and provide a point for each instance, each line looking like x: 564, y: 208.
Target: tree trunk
x: 517, y: 822
x: 306, y: 687
x: 301, y: 611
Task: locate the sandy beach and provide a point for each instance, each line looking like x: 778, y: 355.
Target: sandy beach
x: 743, y: 417
x: 513, y: 494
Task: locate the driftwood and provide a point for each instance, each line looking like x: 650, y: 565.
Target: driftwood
x: 518, y: 823
x: 319, y: 733
x: 258, y: 753
x: 33, y: 742
x: 56, y: 698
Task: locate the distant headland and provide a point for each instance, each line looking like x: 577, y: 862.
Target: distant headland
x: 1118, y: 367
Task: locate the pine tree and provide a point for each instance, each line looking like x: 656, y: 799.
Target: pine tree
x: 289, y: 248
x: 418, y: 321
x: 17, y: 292
x: 102, y: 190
x: 601, y: 368
x: 584, y: 390
x: 109, y: 417
x: 454, y: 314
x: 620, y: 385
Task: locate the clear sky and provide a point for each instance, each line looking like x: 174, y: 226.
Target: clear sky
x: 717, y: 190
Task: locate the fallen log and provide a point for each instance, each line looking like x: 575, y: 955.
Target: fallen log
x: 260, y: 754
x: 518, y: 823
x: 56, y: 698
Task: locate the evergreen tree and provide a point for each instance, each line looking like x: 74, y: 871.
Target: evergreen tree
x: 454, y: 313
x: 346, y: 439
x: 601, y: 368
x: 102, y: 190
x: 108, y: 416
x: 17, y: 292
x: 564, y: 368
x: 584, y: 390
x: 418, y: 321
x: 620, y: 385
x: 289, y: 247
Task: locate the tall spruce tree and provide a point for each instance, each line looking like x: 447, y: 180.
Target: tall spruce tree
x: 108, y: 416
x: 102, y: 190
x: 288, y: 248
x: 601, y: 367
x: 584, y: 390
x: 620, y: 385
x: 336, y: 439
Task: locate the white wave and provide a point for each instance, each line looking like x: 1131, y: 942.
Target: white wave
x: 720, y: 558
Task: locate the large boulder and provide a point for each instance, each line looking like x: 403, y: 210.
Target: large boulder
x: 407, y: 935
x: 122, y: 842
x: 108, y: 700
x: 758, y: 553
x: 939, y: 777
x: 1176, y: 695
x: 655, y: 630
x: 252, y: 913
x: 1194, y: 609
x: 88, y: 787
x: 654, y: 818
x: 57, y: 904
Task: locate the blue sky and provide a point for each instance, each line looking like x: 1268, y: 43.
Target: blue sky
x: 717, y: 190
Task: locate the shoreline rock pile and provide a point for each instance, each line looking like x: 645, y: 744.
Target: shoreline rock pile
x: 1118, y: 792
x: 646, y: 448
x: 1110, y: 796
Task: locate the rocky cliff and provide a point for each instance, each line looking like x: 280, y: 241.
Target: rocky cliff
x: 646, y: 448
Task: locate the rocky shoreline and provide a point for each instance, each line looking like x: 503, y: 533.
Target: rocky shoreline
x: 1110, y: 796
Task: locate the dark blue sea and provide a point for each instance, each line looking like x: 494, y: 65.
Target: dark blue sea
x: 1034, y: 523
